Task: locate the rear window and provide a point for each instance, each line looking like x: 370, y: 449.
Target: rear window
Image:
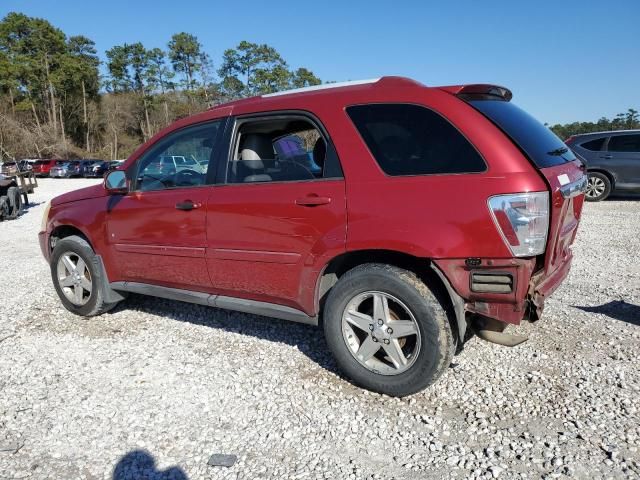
x: 410, y: 139
x: 624, y: 143
x: 540, y: 144
x: 594, y: 145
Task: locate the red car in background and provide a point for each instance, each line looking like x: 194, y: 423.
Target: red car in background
x: 41, y: 168
x: 400, y: 218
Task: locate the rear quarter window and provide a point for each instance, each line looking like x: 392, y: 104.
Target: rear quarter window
x: 410, y: 139
x: 594, y: 145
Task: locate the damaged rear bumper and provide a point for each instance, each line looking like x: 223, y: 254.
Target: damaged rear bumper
x: 524, y: 298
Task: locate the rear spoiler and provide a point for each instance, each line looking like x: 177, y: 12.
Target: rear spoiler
x: 479, y: 89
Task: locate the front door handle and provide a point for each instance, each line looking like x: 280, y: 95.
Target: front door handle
x: 187, y: 205
x: 313, y: 201
x: 606, y: 156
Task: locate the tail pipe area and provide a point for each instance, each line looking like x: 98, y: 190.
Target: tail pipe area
x: 492, y: 331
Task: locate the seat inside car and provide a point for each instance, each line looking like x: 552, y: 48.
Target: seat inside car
x: 320, y: 153
x: 254, y: 149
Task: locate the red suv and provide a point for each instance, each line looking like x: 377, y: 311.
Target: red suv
x: 399, y: 217
x: 42, y: 168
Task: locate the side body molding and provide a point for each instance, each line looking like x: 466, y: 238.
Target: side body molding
x: 229, y: 303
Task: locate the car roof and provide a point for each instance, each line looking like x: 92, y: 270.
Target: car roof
x: 318, y: 97
x: 606, y: 132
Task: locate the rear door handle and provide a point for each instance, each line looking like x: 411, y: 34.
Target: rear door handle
x: 606, y: 156
x: 187, y: 205
x: 313, y: 201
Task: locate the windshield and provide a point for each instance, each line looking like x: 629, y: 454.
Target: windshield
x: 536, y: 140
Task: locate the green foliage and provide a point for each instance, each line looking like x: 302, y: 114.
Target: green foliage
x: 623, y: 121
x: 185, y: 53
x: 53, y: 100
x: 253, y: 69
x: 304, y: 78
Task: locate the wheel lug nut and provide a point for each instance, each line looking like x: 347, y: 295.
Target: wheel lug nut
x: 389, y: 331
x: 380, y: 322
x: 375, y: 339
x: 386, y: 341
x: 371, y: 327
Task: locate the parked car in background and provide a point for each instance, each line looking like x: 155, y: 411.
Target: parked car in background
x: 25, y: 165
x: 9, y: 168
x: 41, y: 168
x: 97, y: 169
x: 432, y: 213
x: 115, y: 164
x: 77, y: 168
x: 60, y: 170
x: 612, y: 160
x: 85, y: 165
x: 171, y: 164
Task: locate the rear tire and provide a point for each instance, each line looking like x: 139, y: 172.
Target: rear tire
x: 400, y: 364
x: 77, y: 277
x: 598, y: 188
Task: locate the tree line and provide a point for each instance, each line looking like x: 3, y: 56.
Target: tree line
x: 622, y: 121
x: 54, y: 101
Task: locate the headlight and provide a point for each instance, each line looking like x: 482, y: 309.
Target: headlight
x: 45, y: 217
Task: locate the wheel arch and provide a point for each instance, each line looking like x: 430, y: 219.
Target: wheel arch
x: 421, y: 267
x: 607, y: 173
x: 62, y: 231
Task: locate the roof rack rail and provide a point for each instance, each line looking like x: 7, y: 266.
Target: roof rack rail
x: 324, y: 86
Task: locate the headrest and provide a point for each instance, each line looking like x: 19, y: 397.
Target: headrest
x: 256, y: 146
x: 320, y: 152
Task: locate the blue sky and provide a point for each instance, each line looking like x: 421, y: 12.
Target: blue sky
x: 564, y: 60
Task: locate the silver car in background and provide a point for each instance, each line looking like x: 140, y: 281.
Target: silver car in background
x: 61, y: 170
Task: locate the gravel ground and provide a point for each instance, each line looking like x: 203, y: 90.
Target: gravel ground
x: 156, y: 387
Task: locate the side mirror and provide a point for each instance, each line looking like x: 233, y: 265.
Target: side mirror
x: 115, y: 183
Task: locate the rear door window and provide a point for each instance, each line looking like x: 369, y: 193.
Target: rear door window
x: 539, y: 143
x: 625, y: 143
x: 408, y: 139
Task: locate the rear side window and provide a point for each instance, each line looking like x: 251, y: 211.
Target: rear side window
x: 594, y: 145
x: 624, y: 143
x: 412, y: 140
x: 540, y: 144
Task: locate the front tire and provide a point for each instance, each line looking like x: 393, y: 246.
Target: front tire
x: 598, y: 187
x: 387, y: 331
x: 77, y: 277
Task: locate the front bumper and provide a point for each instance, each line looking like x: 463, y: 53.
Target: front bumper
x: 526, y: 300
x: 43, y: 239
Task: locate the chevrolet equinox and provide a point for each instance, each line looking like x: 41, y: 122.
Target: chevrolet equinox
x: 402, y: 219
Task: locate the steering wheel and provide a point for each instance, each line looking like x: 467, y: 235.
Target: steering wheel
x: 295, y: 168
x: 188, y: 177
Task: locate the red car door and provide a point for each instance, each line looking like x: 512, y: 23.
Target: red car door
x: 157, y: 232
x: 262, y: 238
x: 269, y: 233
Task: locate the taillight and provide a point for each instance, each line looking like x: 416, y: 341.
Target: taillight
x: 522, y: 220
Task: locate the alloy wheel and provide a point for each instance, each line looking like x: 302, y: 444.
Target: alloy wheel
x: 381, y: 333
x: 74, y: 278
x: 595, y: 187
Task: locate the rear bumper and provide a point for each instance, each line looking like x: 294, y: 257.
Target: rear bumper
x: 528, y: 293
x: 543, y: 285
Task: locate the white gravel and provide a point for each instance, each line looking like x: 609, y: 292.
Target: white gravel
x: 182, y: 382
